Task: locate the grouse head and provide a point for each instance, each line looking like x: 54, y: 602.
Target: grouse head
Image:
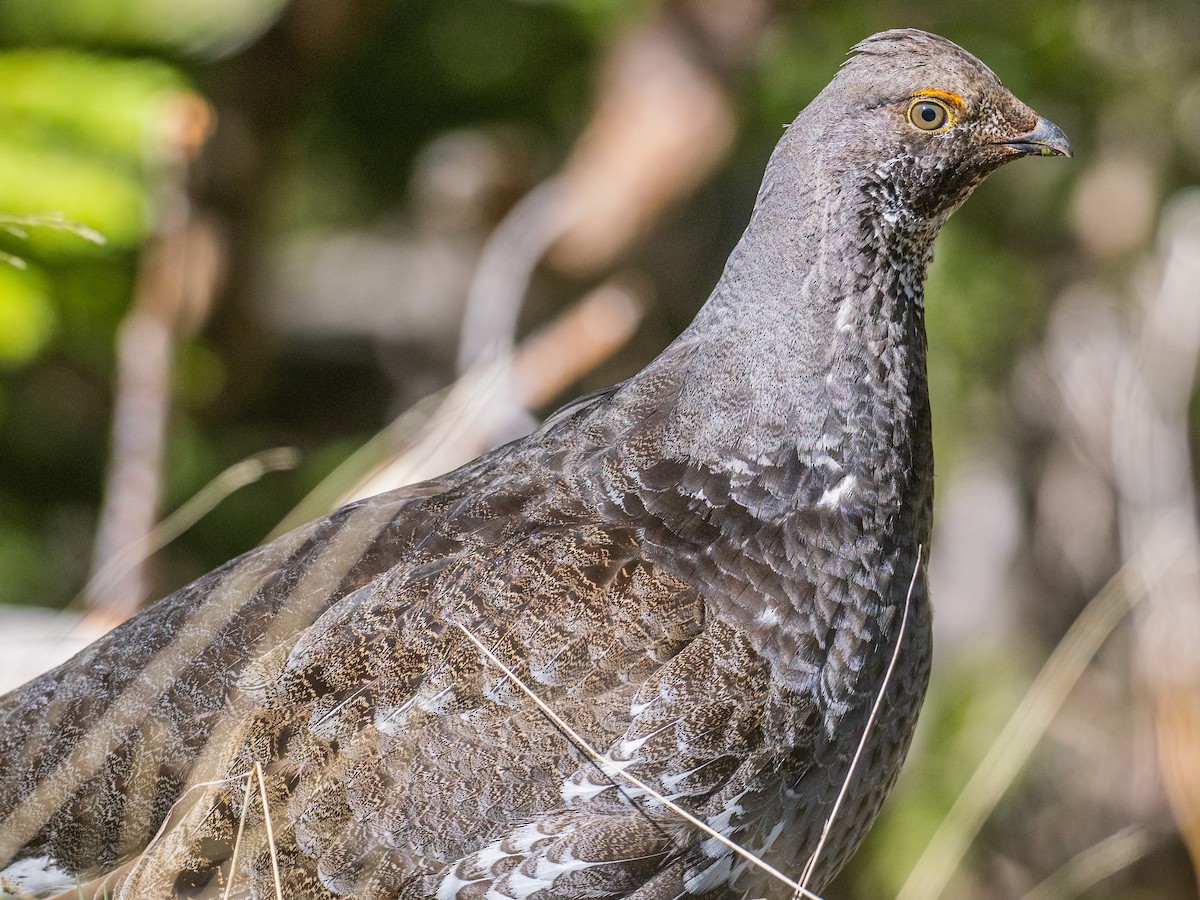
x: 918, y: 122
x: 821, y: 303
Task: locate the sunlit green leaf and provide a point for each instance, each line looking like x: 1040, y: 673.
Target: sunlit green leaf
x: 206, y: 27
x: 27, y: 317
x: 79, y: 186
x: 119, y: 107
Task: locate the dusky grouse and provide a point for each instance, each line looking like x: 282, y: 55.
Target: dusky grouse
x: 705, y: 571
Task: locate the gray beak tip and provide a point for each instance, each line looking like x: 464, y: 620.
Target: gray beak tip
x: 1046, y: 139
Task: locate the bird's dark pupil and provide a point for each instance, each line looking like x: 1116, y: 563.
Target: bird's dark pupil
x: 929, y: 114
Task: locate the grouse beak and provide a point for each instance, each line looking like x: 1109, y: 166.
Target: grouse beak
x: 1046, y: 139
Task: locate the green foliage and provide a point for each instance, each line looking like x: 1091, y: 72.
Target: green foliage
x: 603, y: 17
x: 27, y: 318
x: 83, y: 140
x: 36, y: 177
x: 81, y: 136
x: 207, y: 27
x: 111, y: 107
x: 91, y: 295
x: 983, y: 304
x: 23, y: 578
x: 964, y: 711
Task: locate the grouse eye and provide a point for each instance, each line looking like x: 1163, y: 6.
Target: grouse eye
x: 929, y: 115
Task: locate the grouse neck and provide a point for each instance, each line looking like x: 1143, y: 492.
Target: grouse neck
x: 812, y: 345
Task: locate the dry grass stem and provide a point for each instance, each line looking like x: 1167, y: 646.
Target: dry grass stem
x: 1016, y: 741
x: 362, y: 466
x: 1088, y: 868
x: 241, y: 474
x: 811, y: 865
x: 19, y: 226
x: 598, y: 759
x: 453, y: 426
x: 497, y: 389
x: 128, y: 872
x: 459, y: 428
x: 237, y: 843
x: 233, y: 479
x: 262, y: 791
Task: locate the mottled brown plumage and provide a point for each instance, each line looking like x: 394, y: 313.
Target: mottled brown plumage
x: 703, y: 570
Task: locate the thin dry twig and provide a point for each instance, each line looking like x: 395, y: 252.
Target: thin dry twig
x: 663, y: 121
x: 127, y: 873
x: 1016, y: 741
x: 262, y: 791
x: 237, y: 843
x: 178, y: 277
x: 609, y: 771
x: 811, y: 866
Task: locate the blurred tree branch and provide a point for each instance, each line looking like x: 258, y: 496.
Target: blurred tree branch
x: 1152, y: 462
x: 469, y: 416
x: 177, y: 280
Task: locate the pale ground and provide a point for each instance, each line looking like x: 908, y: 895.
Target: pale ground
x: 33, y: 640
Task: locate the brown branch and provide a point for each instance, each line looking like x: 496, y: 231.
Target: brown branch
x: 661, y: 125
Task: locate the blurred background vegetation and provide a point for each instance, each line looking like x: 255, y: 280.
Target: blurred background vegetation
x: 294, y: 198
